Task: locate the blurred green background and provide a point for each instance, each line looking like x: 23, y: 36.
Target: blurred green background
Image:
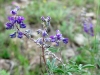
x: 65, y: 16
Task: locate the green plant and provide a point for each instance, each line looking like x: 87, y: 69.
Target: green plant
x: 49, y: 8
x: 3, y: 72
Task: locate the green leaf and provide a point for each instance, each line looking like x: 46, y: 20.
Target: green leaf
x: 53, y: 49
x: 58, y: 71
x: 88, y: 66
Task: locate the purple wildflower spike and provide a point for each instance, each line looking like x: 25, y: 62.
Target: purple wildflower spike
x: 14, y: 21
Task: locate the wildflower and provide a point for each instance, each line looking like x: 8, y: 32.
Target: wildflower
x: 52, y: 38
x: 46, y: 20
x: 58, y: 35
x: 11, y: 18
x: 88, y: 27
x: 47, y: 39
x: 87, y: 23
x: 85, y: 28
x: 14, y: 11
x: 65, y: 40
x: 22, y: 25
x: 42, y: 18
x: 20, y: 19
x: 13, y: 35
x: 44, y: 33
x: 39, y: 41
x: 14, y: 21
x: 9, y: 25
x: 20, y: 34
x: 39, y: 31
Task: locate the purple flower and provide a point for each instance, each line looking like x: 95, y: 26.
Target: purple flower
x: 42, y: 18
x: 39, y: 31
x: 48, y: 18
x: 14, y: 21
x: 58, y: 35
x: 22, y: 25
x: 11, y: 18
x: 88, y: 27
x: 13, y: 35
x: 85, y: 28
x: 9, y: 25
x: 47, y: 39
x: 39, y: 41
x: 52, y: 38
x: 20, y: 34
x: 20, y: 19
x: 14, y: 11
x: 65, y: 40
x: 44, y: 33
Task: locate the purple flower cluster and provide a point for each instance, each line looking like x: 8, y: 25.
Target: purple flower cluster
x: 45, y: 38
x: 88, y: 27
x: 15, y: 22
x: 58, y: 37
x: 46, y: 20
x: 42, y: 32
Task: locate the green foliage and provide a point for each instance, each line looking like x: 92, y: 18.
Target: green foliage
x: 5, y: 1
x: 65, y: 28
x: 67, y: 69
x: 22, y: 59
x: 3, y: 72
x: 38, y: 8
x: 54, y: 49
x: 4, y: 41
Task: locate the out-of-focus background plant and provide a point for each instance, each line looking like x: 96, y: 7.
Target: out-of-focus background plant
x: 21, y: 56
